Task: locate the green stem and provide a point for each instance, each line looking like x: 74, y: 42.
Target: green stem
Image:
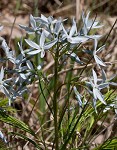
x: 55, y: 106
x: 72, y: 131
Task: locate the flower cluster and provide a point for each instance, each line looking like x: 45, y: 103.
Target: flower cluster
x: 50, y: 33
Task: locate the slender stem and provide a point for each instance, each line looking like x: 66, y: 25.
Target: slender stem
x: 44, y: 96
x: 72, y: 131
x: 55, y: 106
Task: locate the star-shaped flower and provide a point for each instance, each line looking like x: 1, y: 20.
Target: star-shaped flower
x: 79, y: 98
x: 108, y: 81
x: 89, y: 24
x: 33, y: 28
x: 96, y: 57
x: 3, y: 84
x: 72, y: 37
x: 97, y: 87
x: 42, y: 45
x: 9, y: 54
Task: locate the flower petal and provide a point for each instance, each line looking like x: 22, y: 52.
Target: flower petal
x: 65, y: 32
x: 78, y: 96
x: 94, y: 77
x: 32, y: 22
x: 73, y: 28
x: 27, y: 29
x: 50, y: 44
x: 99, y: 61
x: 104, y: 75
x: 103, y: 85
x: 42, y: 54
x: 32, y: 44
x: 34, y: 52
x: 1, y: 74
x: 29, y: 65
x: 78, y: 39
x: 100, y: 97
x: 42, y: 39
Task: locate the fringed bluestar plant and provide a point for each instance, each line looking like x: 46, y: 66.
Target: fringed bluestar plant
x: 51, y: 34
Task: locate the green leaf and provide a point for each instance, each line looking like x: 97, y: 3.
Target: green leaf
x: 15, y: 122
x: 108, y: 145
x: 26, y: 138
x: 3, y: 145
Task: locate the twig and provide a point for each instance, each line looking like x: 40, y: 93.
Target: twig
x: 58, y: 2
x: 11, y: 31
x: 103, y: 131
x: 110, y: 31
x: 79, y: 8
x: 46, y: 142
x: 26, y: 106
x: 99, y: 4
x: 75, y: 68
x: 63, y: 9
x: 48, y: 66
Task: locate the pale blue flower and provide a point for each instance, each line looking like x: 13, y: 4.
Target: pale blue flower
x: 96, y: 51
x: 9, y: 54
x: 21, y: 48
x: 74, y: 57
x: 3, y: 137
x: 47, y: 22
x: 89, y: 24
x: 34, y: 28
x: 97, y: 87
x: 3, y: 84
x: 79, y: 97
x: 108, y: 81
x: 72, y: 36
x: 53, y: 26
x: 115, y: 105
x: 41, y: 47
x: 112, y: 105
x: 1, y: 27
